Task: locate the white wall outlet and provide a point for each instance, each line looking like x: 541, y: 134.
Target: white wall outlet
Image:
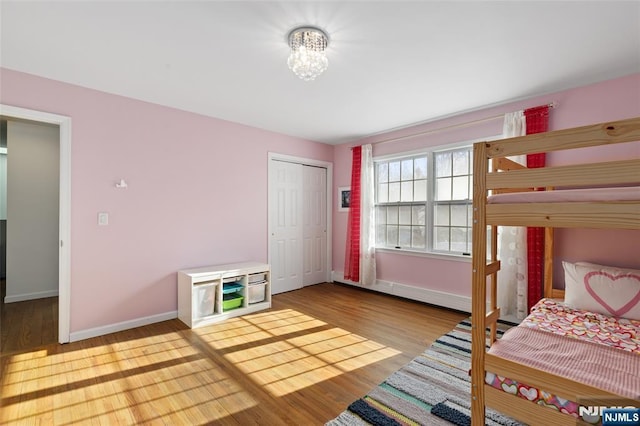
x: 103, y: 218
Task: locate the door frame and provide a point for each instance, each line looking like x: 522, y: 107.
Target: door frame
x: 273, y: 156
x: 64, y: 215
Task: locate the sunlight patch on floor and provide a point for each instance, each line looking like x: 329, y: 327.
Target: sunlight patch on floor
x: 160, y: 378
x: 171, y: 378
x: 283, y: 365
x: 255, y: 328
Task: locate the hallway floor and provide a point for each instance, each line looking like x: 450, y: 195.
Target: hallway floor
x: 28, y: 324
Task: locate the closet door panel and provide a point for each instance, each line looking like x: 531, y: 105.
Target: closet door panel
x: 315, y: 225
x: 286, y: 204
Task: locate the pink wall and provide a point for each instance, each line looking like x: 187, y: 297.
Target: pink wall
x: 610, y: 100
x: 197, y: 195
x: 198, y: 192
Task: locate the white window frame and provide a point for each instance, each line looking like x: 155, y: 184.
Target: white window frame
x: 467, y: 202
x: 430, y: 204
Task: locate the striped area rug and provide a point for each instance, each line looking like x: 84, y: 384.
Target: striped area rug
x: 432, y: 389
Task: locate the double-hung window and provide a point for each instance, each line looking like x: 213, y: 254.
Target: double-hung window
x: 424, y: 201
x: 452, y: 203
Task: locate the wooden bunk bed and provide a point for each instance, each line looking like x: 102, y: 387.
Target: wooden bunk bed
x: 493, y: 173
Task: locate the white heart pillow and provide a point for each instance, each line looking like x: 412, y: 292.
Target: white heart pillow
x: 603, y: 289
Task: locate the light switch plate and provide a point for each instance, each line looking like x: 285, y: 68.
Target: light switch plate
x: 103, y: 219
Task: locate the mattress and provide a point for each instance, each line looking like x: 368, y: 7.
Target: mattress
x: 627, y: 193
x: 562, y: 340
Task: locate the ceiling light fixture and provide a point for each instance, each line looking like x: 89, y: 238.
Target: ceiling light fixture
x: 307, y: 59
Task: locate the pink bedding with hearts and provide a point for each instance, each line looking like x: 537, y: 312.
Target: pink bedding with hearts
x: 616, y: 352
x: 558, y: 318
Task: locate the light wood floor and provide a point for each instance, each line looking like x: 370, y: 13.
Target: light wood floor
x: 300, y: 363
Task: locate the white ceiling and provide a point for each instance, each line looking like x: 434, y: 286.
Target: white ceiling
x: 391, y: 63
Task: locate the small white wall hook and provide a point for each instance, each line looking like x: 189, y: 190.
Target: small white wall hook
x: 121, y: 184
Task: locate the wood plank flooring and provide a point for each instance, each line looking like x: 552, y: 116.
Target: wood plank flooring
x: 28, y: 324
x: 299, y: 363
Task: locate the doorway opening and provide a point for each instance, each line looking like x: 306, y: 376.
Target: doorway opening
x: 61, y: 321
x: 29, y: 187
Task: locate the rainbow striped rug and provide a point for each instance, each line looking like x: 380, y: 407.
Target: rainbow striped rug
x: 432, y: 389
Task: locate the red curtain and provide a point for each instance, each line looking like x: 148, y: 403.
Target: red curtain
x: 537, y: 122
x: 352, y: 255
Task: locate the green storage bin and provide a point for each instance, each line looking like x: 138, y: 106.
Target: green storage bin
x: 231, y: 301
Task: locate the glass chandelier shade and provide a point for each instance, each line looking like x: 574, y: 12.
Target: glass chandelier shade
x: 307, y: 59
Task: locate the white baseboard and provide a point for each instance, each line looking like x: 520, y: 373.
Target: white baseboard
x: 433, y: 297
x: 120, y: 326
x: 30, y: 296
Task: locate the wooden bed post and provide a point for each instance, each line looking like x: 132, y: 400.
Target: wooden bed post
x: 548, y: 263
x: 493, y: 289
x: 479, y: 284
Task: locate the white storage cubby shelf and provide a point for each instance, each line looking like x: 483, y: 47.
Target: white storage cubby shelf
x: 214, y: 293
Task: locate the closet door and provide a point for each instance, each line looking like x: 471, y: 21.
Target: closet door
x: 285, y: 212
x: 314, y: 225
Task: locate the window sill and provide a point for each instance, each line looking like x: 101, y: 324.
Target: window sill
x: 433, y: 255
